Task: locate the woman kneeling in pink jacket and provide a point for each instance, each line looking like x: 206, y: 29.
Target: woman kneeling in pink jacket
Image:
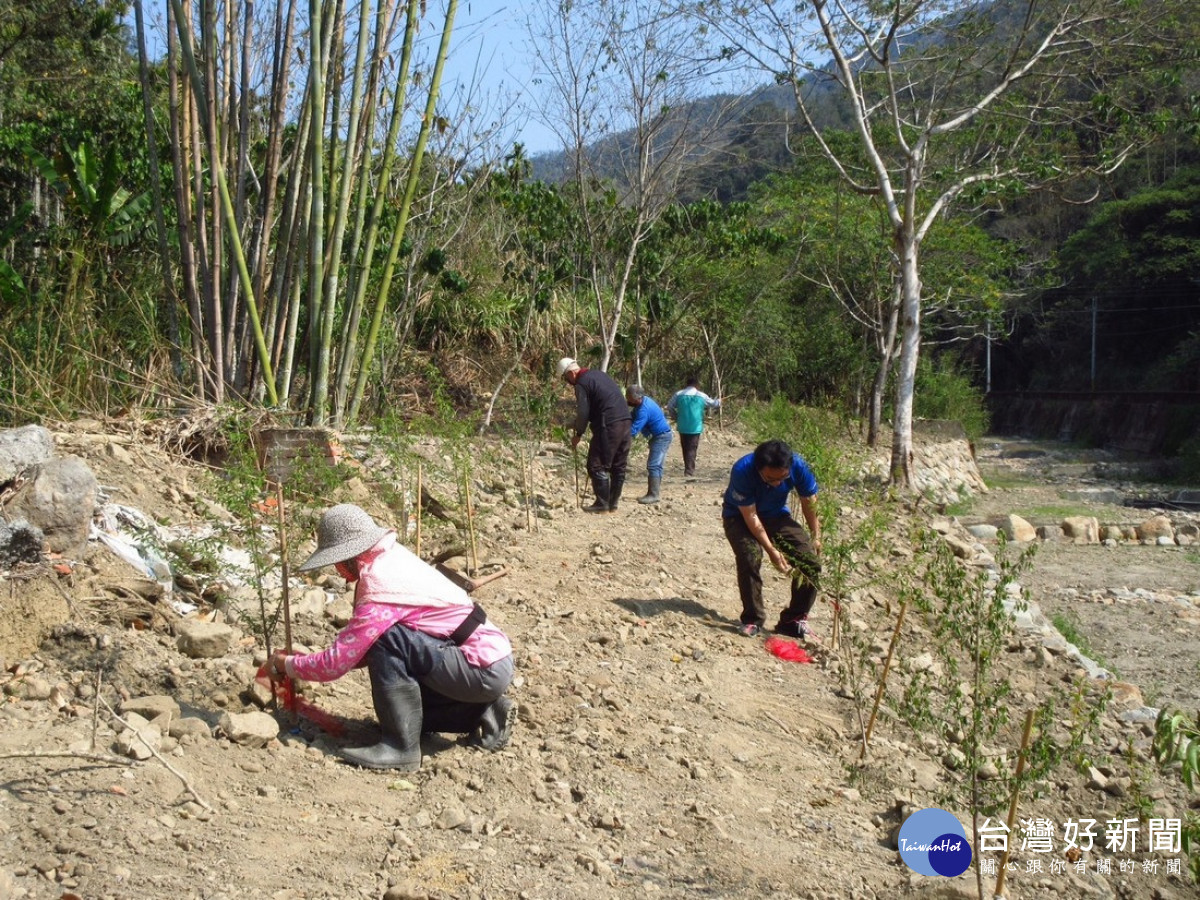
x: 436, y: 664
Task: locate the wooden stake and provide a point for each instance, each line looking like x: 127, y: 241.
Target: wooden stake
x: 1012, y: 806
x: 285, y: 574
x: 470, y: 518
x: 887, y: 664
x: 420, y: 487
x: 837, y: 622
x: 537, y: 526
x: 578, y: 496
x: 525, y: 473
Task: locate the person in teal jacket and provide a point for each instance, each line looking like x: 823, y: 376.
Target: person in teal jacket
x: 687, y: 407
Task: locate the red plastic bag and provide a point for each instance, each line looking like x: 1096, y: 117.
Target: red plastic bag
x: 786, y: 650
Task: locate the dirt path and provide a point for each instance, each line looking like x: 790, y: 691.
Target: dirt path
x: 658, y: 753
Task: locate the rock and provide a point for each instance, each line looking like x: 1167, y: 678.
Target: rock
x: 252, y: 729
x: 1154, y: 528
x: 983, y: 531
x: 23, y: 448
x: 151, y: 707
x: 203, y: 640
x: 1015, y: 528
x: 1126, y: 695
x: 20, y: 542
x: 189, y: 726
x: 59, y: 498
x: 1051, y: 533
x: 1110, y: 533
x: 1082, y: 529
x: 140, y: 739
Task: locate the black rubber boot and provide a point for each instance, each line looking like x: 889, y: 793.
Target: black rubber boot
x: 601, y: 486
x: 614, y: 497
x: 653, y: 490
x: 398, y: 707
x: 496, y: 724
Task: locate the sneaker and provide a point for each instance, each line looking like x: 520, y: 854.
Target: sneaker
x: 799, y: 628
x: 749, y: 629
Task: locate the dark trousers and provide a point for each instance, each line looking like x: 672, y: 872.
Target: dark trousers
x: 454, y: 694
x: 793, y: 542
x: 689, y: 443
x: 404, y: 654
x: 608, y: 452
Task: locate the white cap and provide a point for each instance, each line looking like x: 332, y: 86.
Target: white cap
x: 564, y: 365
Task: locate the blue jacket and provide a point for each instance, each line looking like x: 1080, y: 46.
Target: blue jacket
x: 649, y: 419
x: 746, y: 486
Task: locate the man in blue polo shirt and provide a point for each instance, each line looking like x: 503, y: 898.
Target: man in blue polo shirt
x: 649, y: 420
x: 757, y: 520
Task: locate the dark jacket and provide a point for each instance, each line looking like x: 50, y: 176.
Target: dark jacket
x: 599, y: 401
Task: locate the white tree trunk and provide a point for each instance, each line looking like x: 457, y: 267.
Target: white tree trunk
x: 910, y: 347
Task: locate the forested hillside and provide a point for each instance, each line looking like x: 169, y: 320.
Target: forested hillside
x: 214, y: 203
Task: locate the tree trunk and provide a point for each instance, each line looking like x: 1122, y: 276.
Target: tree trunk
x: 910, y: 346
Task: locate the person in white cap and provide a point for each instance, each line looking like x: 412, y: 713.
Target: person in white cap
x: 600, y: 403
x: 435, y: 662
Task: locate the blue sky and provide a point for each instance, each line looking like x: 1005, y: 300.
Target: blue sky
x: 490, y: 46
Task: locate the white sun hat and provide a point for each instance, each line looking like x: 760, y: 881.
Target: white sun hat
x: 344, y: 532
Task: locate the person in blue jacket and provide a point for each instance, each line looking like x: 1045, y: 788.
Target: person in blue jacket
x: 650, y: 421
x: 757, y: 520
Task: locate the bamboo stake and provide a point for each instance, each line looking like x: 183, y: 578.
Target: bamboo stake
x: 887, y: 664
x: 525, y: 473
x: 578, y: 496
x: 537, y: 526
x: 419, y: 488
x: 1012, y: 807
x: 470, y: 519
x: 283, y: 556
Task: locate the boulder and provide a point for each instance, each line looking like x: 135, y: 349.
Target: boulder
x: 60, y: 499
x: 19, y: 542
x: 252, y: 729
x: 1082, y: 529
x: 1015, y: 528
x: 1051, y: 533
x: 203, y: 640
x: 22, y: 448
x: 1154, y: 528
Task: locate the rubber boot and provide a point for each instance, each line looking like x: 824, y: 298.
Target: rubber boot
x: 496, y: 724
x: 601, y: 487
x: 614, y: 497
x: 653, y: 489
x: 398, y: 707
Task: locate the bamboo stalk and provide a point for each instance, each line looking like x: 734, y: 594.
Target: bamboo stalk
x: 887, y: 665
x: 1012, y: 807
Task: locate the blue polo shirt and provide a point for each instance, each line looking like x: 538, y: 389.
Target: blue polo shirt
x: 649, y: 420
x: 746, y: 486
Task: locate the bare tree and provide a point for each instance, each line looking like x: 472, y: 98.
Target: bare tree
x: 951, y: 100
x: 624, y: 78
